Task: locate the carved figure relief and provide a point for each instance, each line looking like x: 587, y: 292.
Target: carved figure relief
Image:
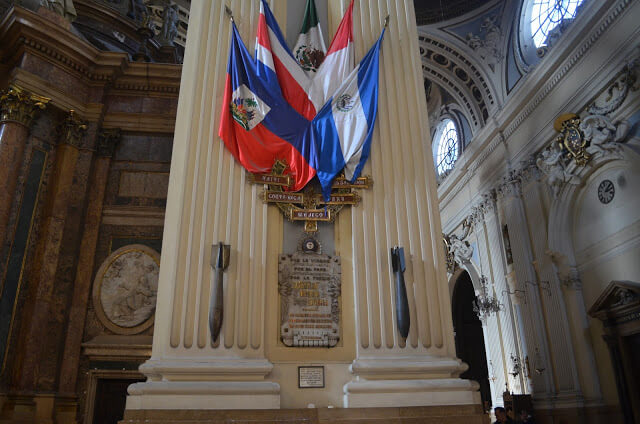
x: 551, y: 163
x: 125, y: 288
x: 169, y: 24
x: 488, y: 47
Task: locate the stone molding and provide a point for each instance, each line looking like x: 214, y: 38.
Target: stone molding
x: 25, y: 31
x: 21, y: 106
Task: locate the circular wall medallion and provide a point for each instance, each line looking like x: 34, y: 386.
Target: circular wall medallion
x: 125, y: 289
x: 606, y: 191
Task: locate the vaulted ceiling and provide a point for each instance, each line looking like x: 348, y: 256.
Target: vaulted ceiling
x: 432, y: 11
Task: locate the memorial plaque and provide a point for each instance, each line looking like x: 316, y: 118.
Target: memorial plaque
x: 311, y: 377
x: 309, y: 284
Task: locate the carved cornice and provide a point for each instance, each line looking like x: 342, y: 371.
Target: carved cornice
x: 25, y: 32
x: 71, y: 130
x: 20, y: 106
x: 108, y: 140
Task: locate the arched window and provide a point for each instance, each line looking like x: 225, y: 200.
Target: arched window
x: 548, y: 14
x: 541, y: 24
x: 446, y: 147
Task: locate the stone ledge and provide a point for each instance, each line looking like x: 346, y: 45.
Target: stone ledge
x: 468, y: 414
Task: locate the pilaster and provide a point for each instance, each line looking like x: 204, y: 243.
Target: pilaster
x: 107, y: 142
x: 561, y: 362
x: 530, y: 309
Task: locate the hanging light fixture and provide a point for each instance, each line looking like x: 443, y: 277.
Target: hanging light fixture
x: 485, y: 305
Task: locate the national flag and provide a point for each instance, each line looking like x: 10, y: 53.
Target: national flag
x: 258, y: 126
x: 310, y: 50
x: 306, y: 93
x: 344, y: 127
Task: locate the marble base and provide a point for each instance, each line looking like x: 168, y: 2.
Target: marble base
x: 433, y: 392
x: 468, y: 414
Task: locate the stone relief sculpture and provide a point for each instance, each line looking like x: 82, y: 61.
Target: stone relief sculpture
x: 461, y: 249
x: 125, y: 288
x: 602, y: 134
x: 551, y: 163
x: 488, y: 47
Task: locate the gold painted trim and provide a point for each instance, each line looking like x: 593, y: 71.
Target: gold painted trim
x: 26, y: 250
x: 97, y: 290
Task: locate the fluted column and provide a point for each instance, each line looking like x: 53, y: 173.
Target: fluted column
x: 548, y: 286
x: 491, y: 328
x: 17, y: 111
x: 401, y: 209
x: 505, y: 318
x: 209, y: 200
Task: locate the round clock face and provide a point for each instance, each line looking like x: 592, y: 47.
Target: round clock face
x: 606, y: 191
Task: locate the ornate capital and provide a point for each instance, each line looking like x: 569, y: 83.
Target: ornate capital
x: 71, y: 130
x: 108, y: 140
x: 488, y: 204
x: 20, y: 106
x: 530, y: 171
x: 511, y: 185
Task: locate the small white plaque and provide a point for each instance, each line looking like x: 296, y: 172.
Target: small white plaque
x: 311, y: 377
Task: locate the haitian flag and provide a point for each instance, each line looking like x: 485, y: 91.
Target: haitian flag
x: 257, y: 124
x: 307, y: 93
x: 344, y: 126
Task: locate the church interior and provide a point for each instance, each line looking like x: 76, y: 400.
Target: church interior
x: 487, y: 257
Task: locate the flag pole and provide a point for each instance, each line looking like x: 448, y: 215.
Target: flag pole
x: 228, y: 12
x: 386, y: 22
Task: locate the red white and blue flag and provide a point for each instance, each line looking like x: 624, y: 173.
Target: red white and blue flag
x: 259, y: 126
x: 307, y: 93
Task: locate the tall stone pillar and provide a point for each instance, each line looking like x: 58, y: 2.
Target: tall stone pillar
x: 17, y: 111
x: 402, y: 209
x: 209, y: 200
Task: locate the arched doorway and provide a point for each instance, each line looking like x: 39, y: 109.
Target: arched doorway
x: 467, y: 328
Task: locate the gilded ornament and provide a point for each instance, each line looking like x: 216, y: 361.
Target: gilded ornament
x: 572, y: 138
x: 18, y: 105
x: 72, y: 130
x: 308, y: 205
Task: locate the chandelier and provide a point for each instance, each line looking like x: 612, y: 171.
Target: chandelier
x: 485, y: 305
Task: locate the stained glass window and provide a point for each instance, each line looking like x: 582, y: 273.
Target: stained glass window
x: 447, y: 152
x: 547, y: 14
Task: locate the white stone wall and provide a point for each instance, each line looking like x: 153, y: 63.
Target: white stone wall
x: 567, y: 245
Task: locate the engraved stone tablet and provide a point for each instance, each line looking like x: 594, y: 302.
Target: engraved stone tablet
x: 311, y: 377
x: 309, y: 284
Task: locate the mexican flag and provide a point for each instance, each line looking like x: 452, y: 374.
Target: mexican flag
x: 310, y: 50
